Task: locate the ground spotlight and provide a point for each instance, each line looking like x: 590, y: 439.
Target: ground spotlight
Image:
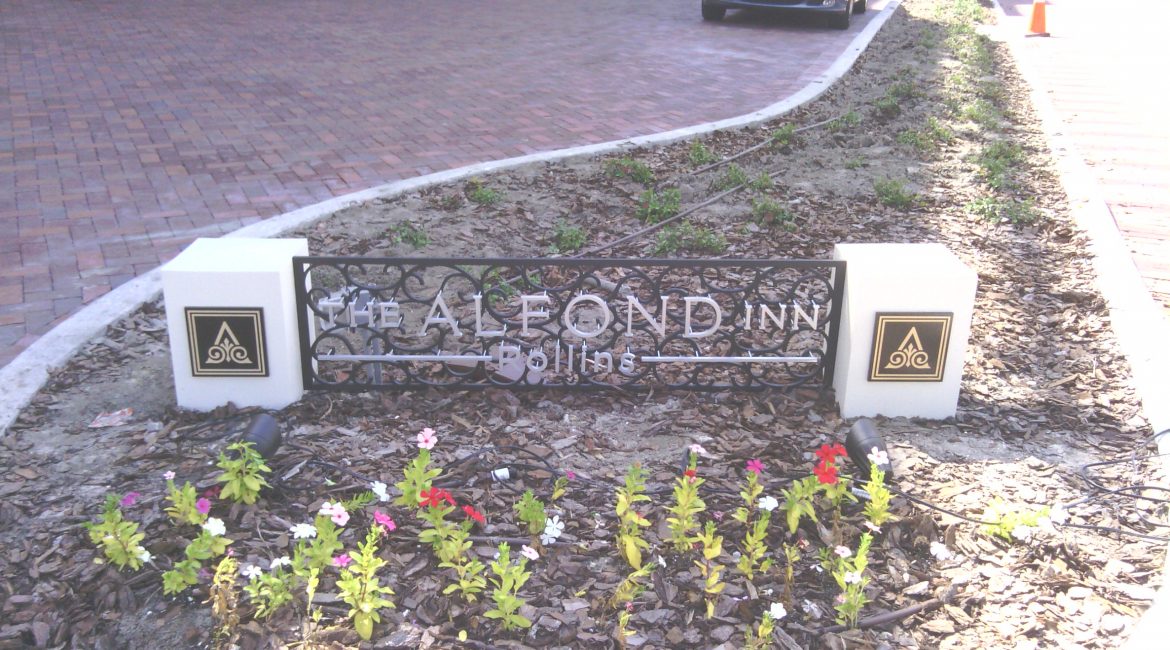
x: 862, y: 439
x: 264, y: 433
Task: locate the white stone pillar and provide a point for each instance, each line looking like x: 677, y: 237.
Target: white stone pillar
x: 232, y: 322
x: 904, y: 330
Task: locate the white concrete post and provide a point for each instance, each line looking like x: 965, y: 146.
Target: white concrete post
x: 904, y: 330
x: 231, y: 317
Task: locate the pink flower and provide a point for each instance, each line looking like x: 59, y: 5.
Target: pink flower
x: 529, y: 552
x: 129, y: 499
x: 755, y: 466
x: 382, y: 519
x: 427, y: 438
x: 342, y: 560
x: 570, y: 474
x: 168, y: 475
x: 203, y: 505
x: 340, y: 516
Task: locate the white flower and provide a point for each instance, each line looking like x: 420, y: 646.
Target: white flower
x: 284, y: 560
x: 553, y: 527
x: 168, y: 475
x: 768, y: 503
x: 873, y: 527
x: 661, y: 562
x: 251, y: 571
x: 326, y: 509
x: 940, y: 551
x: 1022, y: 533
x: 698, y: 450
x: 529, y: 552
x: 1058, y: 516
x: 379, y: 490
x: 843, y: 551
x: 777, y: 611
x: 145, y: 555
x: 303, y: 531
x: 851, y: 577
x: 214, y: 525
x: 878, y: 457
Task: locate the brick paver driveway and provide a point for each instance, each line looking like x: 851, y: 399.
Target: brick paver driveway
x: 130, y: 127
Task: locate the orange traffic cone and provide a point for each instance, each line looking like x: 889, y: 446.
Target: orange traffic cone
x: 1037, y: 27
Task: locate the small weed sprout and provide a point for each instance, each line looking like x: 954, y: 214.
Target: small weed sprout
x: 769, y: 212
x: 761, y: 183
x: 409, y: 233
x: 856, y: 162
x: 1011, y: 523
x: 268, y: 592
x: 1020, y: 213
x: 658, y: 206
x: 784, y: 136
x: 567, y: 237
x: 846, y: 121
x: 629, y: 168
x: 530, y: 512
x: 791, y: 557
x: 997, y: 164
x: 631, y: 586
x: 479, y: 194
x: 734, y: 176
x: 687, y: 236
x: 892, y: 193
x: 700, y: 155
x: 243, y: 476
x: 451, y: 202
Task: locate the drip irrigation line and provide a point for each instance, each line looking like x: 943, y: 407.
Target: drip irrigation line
x: 879, y: 620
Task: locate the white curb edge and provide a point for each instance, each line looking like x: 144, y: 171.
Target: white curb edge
x: 1138, y: 320
x: 29, y: 371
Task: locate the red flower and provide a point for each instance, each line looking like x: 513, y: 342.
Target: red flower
x: 826, y: 472
x: 828, y: 453
x: 212, y: 492
x: 690, y: 473
x: 472, y: 513
x: 434, y: 498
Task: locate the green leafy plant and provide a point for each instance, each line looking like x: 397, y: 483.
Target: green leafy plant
x: 560, y: 486
x: 630, y: 542
x: 270, y: 591
x: 434, y: 506
x: 755, y: 547
x: 893, y: 193
x: 846, y: 121
x: 567, y: 237
x: 687, y: 506
x: 877, y: 508
x: 417, y: 477
x: 631, y: 169
x: 769, y: 212
x: 857, y: 162
x: 791, y: 557
x: 699, y: 154
x: 530, y: 511
x: 849, y: 573
x: 887, y: 106
x: 184, y: 507
x: 709, y: 569
x: 657, y: 206
x: 360, y: 588
x: 319, y: 552
x: 784, y: 136
x: 509, y: 579
x: 631, y: 586
x: 120, y: 541
x: 1004, y: 210
x: 1011, y: 523
x: 761, y: 638
x: 409, y: 233
x: 997, y: 164
x: 480, y: 194
x: 687, y: 236
x: 243, y: 475
x: 761, y: 183
x: 451, y: 202
x: 798, y: 502
x: 453, y: 554
x: 733, y: 176
x: 210, y: 543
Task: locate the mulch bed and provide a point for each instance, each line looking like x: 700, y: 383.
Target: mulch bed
x: 1044, y: 396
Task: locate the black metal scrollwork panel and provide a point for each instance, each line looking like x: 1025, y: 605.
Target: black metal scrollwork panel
x: 377, y: 323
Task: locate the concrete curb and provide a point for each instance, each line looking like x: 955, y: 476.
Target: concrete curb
x: 1138, y: 320
x: 29, y: 371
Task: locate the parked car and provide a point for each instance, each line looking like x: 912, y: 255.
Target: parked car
x: 837, y: 10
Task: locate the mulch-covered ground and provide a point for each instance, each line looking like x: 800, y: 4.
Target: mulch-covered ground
x: 1046, y: 416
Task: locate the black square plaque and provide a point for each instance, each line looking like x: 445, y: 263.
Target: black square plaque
x: 227, y: 341
x: 909, y: 346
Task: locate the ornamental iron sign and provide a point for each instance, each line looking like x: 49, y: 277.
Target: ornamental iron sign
x: 909, y: 346
x: 226, y: 341
x: 380, y: 323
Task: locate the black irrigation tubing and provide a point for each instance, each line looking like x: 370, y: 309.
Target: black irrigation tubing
x: 757, y: 147
x: 879, y: 620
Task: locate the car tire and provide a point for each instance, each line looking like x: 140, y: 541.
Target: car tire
x: 840, y: 20
x: 859, y: 6
x: 713, y: 13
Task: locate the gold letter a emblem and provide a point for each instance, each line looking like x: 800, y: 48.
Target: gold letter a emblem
x: 226, y: 348
x: 909, y: 354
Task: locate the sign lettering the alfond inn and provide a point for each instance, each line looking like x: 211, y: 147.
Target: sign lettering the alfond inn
x: 371, y: 323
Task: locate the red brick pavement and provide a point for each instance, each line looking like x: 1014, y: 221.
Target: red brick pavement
x: 1103, y: 67
x: 130, y: 127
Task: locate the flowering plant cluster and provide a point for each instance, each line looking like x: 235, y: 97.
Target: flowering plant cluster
x: 630, y: 541
x: 687, y: 506
x: 119, y: 539
x: 360, y: 587
x: 754, y: 547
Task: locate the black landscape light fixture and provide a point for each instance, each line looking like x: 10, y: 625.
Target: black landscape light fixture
x: 263, y: 432
x: 862, y: 439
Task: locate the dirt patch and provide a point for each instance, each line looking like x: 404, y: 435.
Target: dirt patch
x: 902, y: 150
